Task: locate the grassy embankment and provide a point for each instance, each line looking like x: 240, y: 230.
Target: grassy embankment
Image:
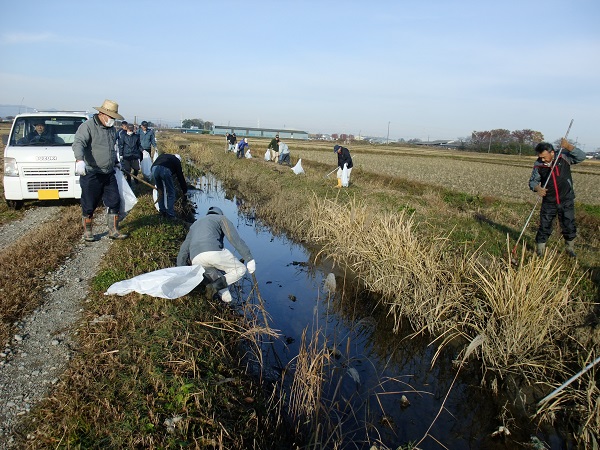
x: 148, y: 372
x: 147, y: 364
x: 439, y: 257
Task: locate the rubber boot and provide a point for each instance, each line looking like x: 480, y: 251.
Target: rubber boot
x: 88, y: 234
x: 540, y: 248
x: 339, y: 183
x: 570, y: 248
x: 113, y: 229
x: 217, y: 286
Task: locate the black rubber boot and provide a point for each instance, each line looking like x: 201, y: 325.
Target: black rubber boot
x: 570, y: 249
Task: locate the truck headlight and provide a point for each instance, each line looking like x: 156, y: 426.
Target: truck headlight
x: 10, y: 167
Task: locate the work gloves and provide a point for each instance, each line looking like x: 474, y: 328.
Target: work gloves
x: 566, y: 145
x: 251, y: 266
x: 80, y: 168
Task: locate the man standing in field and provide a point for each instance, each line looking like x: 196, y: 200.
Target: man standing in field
x: 204, y: 245
x: 558, y: 197
x: 274, y: 148
x: 344, y: 157
x: 96, y: 159
x: 147, y: 138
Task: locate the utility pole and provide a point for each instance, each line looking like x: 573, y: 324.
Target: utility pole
x: 388, y: 135
x: 490, y: 143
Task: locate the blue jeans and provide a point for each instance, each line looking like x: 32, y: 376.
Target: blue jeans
x: 164, y: 182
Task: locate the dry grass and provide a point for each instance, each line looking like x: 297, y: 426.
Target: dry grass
x: 417, y: 277
x: 22, y: 270
x: 521, y: 313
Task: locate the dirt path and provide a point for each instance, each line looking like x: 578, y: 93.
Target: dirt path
x: 36, y: 356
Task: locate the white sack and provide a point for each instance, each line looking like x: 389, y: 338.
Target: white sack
x: 128, y: 198
x: 268, y: 155
x: 171, y: 283
x: 297, y: 169
x: 146, y: 165
x: 155, y: 197
x: 345, y: 175
x: 248, y: 155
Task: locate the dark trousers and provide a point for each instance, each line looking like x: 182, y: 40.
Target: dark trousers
x: 131, y: 164
x: 566, y: 217
x: 96, y: 187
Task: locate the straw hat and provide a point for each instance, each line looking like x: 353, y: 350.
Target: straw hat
x: 110, y: 108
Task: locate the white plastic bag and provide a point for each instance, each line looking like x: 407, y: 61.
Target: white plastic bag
x: 268, y: 155
x: 155, y: 197
x: 146, y: 166
x: 248, y: 155
x: 128, y: 198
x: 345, y: 175
x: 171, y: 283
x: 297, y: 169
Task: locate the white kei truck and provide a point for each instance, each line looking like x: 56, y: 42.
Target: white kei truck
x: 38, y: 160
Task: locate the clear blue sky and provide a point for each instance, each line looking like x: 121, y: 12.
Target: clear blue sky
x: 431, y: 69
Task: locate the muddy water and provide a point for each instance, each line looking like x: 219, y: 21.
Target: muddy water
x: 370, y: 368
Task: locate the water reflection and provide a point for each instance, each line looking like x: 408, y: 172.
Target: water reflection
x: 371, y: 369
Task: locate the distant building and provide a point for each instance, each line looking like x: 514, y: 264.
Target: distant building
x: 222, y: 130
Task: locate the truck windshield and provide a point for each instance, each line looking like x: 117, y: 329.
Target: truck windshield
x: 45, y: 131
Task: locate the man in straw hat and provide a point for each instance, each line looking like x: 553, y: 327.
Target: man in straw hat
x: 96, y: 159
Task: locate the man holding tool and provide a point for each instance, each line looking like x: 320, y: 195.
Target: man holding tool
x: 551, y: 180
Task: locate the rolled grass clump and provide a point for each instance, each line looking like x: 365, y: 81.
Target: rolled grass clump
x: 521, y: 313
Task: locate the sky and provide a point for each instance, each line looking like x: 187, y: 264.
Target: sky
x: 412, y: 69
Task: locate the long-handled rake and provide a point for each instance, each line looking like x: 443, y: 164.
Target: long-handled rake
x: 514, y: 250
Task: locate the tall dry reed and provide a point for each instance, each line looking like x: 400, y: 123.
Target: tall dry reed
x: 417, y: 277
x: 521, y: 312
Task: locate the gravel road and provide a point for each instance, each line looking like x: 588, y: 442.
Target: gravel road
x: 36, y: 356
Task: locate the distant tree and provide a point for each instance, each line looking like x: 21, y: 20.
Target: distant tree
x: 10, y: 117
x: 189, y: 123
x: 208, y: 125
x: 414, y: 141
x: 350, y: 137
x: 343, y: 137
x: 335, y: 136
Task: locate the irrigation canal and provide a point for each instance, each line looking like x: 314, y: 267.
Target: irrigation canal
x: 370, y: 368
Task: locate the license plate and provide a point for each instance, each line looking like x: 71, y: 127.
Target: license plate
x: 48, y: 194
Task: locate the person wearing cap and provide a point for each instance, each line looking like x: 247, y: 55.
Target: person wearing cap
x: 242, y: 145
x: 40, y: 134
x: 203, y: 245
x: 147, y: 138
x: 232, y: 140
x: 343, y: 155
x: 163, y: 169
x: 130, y: 153
x: 274, y: 147
x: 96, y: 160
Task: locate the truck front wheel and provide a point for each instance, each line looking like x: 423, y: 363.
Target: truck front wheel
x: 14, y: 204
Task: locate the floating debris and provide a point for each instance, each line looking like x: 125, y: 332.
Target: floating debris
x: 354, y: 374
x: 330, y: 283
x: 404, y: 403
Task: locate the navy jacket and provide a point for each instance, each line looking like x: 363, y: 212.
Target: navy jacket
x: 172, y: 163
